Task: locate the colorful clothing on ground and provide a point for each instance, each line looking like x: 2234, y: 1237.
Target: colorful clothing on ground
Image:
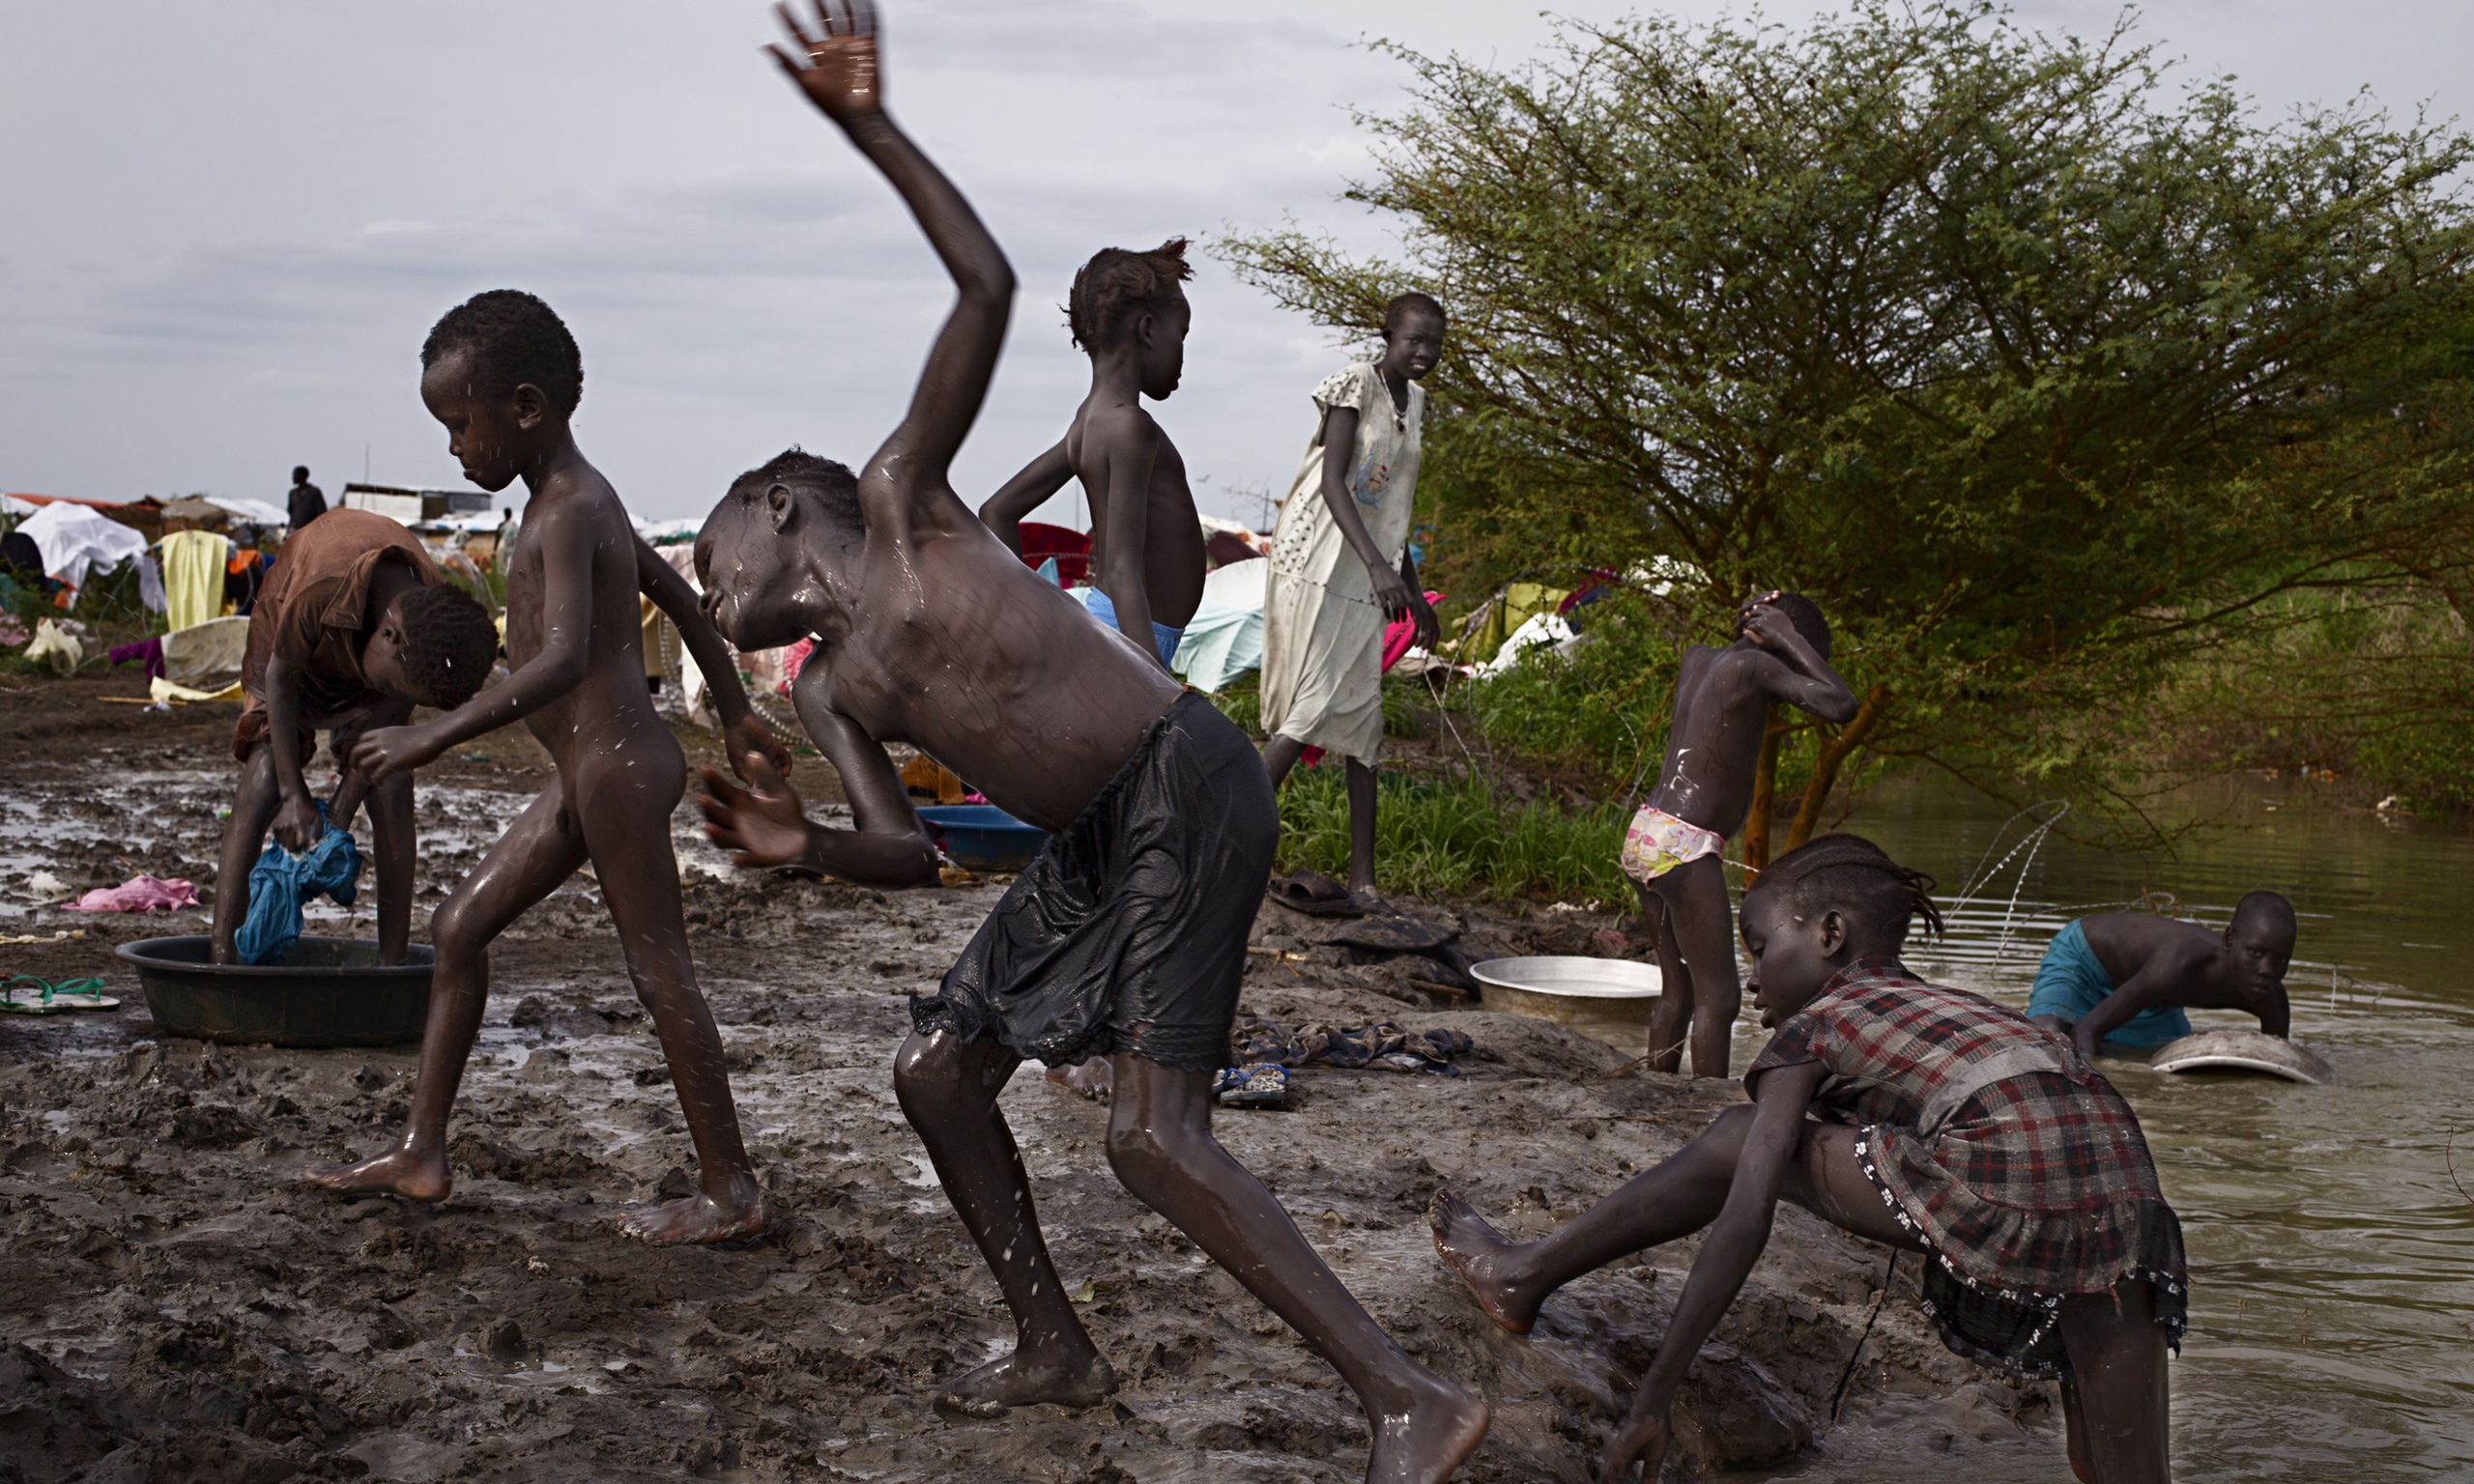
x: 1995, y: 1142
x: 313, y: 611
x: 1656, y: 842
x: 1128, y: 933
x: 2072, y: 981
x: 1322, y: 627
x: 1105, y: 609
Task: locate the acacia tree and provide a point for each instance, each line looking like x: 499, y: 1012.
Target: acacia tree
x: 2039, y: 376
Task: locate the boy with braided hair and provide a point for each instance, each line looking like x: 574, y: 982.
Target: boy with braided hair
x: 1127, y: 313
x: 1926, y: 1118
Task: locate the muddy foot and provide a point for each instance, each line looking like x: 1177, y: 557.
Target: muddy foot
x: 699, y: 1218
x: 1477, y: 1251
x: 397, y: 1172
x: 1009, y: 1381
x: 1442, y: 1427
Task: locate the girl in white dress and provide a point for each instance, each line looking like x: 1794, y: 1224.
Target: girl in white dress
x: 1340, y: 569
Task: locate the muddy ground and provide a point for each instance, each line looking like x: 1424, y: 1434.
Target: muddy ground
x: 174, y: 1306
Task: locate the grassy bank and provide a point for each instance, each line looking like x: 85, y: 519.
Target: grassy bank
x: 1457, y: 838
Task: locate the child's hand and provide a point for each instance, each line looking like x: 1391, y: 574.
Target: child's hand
x: 1767, y: 627
x: 391, y: 750
x: 762, y: 825
x: 749, y: 736
x: 840, y: 73
x: 297, y: 826
x: 1640, y: 1438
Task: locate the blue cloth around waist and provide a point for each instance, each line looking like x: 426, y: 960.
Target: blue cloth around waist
x: 281, y: 882
x: 2072, y: 981
x: 1163, y: 638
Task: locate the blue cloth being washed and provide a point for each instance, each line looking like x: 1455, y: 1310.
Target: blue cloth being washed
x: 282, y: 882
x: 1104, y: 610
x: 2072, y: 981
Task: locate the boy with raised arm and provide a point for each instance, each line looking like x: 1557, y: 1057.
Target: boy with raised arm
x: 1722, y: 699
x: 502, y: 373
x: 2126, y: 977
x: 1127, y: 936
x: 1127, y: 313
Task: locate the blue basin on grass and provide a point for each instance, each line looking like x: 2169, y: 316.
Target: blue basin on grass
x: 983, y: 838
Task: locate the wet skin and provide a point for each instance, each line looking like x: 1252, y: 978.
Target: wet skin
x: 1722, y: 699
x: 930, y: 631
x: 2158, y: 960
x: 271, y: 790
x: 1146, y: 543
x: 1730, y: 1181
x: 1410, y: 349
x: 574, y: 637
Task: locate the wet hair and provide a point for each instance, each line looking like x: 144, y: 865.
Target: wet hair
x: 301, y: 473
x: 514, y: 339
x: 2270, y: 907
x: 1805, y: 615
x: 1877, y: 896
x: 1118, y: 287
x: 450, y: 644
x: 1402, y: 305
x: 833, y: 484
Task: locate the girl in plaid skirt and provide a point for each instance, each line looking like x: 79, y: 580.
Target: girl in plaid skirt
x: 1911, y: 1114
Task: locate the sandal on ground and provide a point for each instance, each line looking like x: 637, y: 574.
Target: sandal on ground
x: 1262, y: 1086
x: 27, y: 995
x: 1315, y: 894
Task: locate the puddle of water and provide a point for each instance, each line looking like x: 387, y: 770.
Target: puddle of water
x: 2332, y: 1253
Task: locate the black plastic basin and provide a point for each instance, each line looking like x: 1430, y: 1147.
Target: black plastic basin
x: 325, y: 992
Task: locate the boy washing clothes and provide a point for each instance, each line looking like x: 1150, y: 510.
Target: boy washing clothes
x: 501, y: 374
x: 354, y: 628
x: 1127, y: 313
x: 2126, y: 977
x: 1127, y: 936
x: 1722, y: 699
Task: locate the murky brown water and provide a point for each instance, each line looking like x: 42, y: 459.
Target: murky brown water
x: 2332, y: 1254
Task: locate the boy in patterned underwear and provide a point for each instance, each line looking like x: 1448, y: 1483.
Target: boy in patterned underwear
x: 1722, y: 697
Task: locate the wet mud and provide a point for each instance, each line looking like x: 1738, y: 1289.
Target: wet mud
x: 176, y: 1305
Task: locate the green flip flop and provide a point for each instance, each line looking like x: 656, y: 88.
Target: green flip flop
x: 42, y: 997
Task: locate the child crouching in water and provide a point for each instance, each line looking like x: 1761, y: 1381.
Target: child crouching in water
x: 1908, y: 1113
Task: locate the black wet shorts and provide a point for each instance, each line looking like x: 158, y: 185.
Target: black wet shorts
x: 1128, y: 933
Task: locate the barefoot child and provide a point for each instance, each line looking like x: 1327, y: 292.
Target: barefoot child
x: 1930, y: 1119
x: 1341, y: 571
x: 1722, y: 700
x: 2126, y: 977
x: 354, y: 629
x: 1128, y: 316
x: 1127, y: 937
x: 502, y: 373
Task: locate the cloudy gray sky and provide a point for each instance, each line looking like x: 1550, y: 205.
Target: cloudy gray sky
x: 227, y: 228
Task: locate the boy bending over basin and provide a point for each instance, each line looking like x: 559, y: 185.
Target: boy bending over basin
x: 2126, y: 977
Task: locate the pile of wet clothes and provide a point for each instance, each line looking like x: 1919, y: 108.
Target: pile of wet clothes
x: 1264, y: 1051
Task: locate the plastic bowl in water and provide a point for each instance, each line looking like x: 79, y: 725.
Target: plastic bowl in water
x: 1571, y: 990
x: 325, y: 992
x: 983, y: 838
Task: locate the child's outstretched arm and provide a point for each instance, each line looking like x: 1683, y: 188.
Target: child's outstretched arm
x: 743, y: 732
x: 2143, y: 991
x: 1804, y: 679
x: 1734, y: 1244
x: 566, y: 545
x: 908, y: 477
x: 1025, y: 493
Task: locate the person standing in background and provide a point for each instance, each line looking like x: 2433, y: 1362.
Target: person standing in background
x: 307, y: 502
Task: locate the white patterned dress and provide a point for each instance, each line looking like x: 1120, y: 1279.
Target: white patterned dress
x: 1322, y: 627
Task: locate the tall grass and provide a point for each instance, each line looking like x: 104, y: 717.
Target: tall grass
x: 1457, y: 838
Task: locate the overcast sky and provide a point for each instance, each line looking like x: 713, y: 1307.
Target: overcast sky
x: 224, y: 230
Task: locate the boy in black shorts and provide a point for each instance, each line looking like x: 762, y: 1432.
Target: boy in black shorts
x: 1127, y: 937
